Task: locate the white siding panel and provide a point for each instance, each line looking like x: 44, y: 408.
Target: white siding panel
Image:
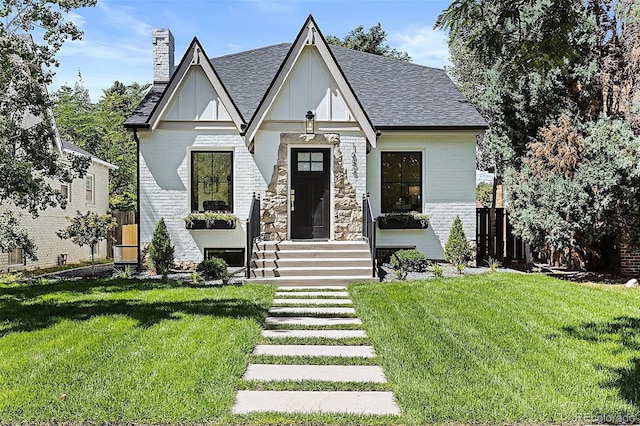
x: 309, y: 86
x: 196, y: 100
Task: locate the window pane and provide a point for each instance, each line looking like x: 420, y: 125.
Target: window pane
x: 401, y: 181
x: 304, y: 167
x: 15, y: 256
x: 304, y: 156
x: 316, y: 156
x: 317, y: 167
x: 212, y: 181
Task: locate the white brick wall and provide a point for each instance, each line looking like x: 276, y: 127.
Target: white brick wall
x: 43, y: 229
x: 356, y: 165
x: 448, y: 187
x: 165, y: 188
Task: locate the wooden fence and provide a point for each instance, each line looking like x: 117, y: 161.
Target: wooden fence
x: 497, y: 243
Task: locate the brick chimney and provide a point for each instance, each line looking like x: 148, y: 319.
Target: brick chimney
x: 163, y: 55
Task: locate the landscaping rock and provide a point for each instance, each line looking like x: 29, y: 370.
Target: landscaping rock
x: 631, y: 283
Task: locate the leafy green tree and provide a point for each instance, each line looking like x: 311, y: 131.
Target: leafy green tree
x: 577, y: 188
x: 372, y: 41
x: 160, y: 250
x: 484, y: 193
x: 88, y: 229
x: 457, y: 250
x: 13, y: 236
x: 98, y: 129
x: 28, y: 162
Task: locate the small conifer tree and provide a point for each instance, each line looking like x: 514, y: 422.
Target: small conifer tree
x: 161, y: 250
x: 457, y: 250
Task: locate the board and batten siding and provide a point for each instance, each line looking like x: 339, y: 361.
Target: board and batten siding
x: 43, y: 229
x: 165, y: 175
x: 448, y: 187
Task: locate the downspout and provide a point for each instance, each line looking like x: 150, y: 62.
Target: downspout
x: 135, y: 138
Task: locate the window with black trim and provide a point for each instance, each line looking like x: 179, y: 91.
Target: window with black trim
x: 401, y: 181
x: 212, y: 181
x: 16, y: 257
x: 233, y: 256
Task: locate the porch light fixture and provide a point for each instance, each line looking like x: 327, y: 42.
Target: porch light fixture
x: 309, y: 123
x: 414, y: 190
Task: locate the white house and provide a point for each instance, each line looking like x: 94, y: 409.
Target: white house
x: 90, y: 193
x: 312, y: 129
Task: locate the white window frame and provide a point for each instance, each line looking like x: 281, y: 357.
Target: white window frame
x: 90, y: 178
x: 67, y: 196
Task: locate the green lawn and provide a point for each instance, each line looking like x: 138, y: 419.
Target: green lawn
x: 506, y: 348
x: 494, y: 348
x: 124, y: 350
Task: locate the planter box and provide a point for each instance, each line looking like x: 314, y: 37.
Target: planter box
x: 402, y: 224
x: 217, y: 224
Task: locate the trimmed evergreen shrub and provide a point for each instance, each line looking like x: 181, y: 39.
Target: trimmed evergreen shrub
x: 161, y: 250
x: 213, y: 268
x: 457, y: 250
x: 409, y: 261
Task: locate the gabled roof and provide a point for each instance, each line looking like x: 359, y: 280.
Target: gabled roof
x: 393, y: 94
x: 158, y: 98
x: 310, y: 35
x: 68, y: 147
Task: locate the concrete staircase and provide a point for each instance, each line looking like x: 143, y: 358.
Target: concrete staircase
x: 293, y: 263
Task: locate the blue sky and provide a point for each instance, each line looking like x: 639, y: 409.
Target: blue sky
x: 117, y: 33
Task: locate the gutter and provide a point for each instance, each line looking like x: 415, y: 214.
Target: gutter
x: 135, y: 138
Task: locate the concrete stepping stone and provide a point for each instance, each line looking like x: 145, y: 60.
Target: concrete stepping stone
x: 345, y: 402
x: 325, y: 373
x: 312, y: 302
x: 311, y: 321
x: 318, y: 287
x: 303, y: 334
x: 313, y: 293
x: 315, y: 350
x: 311, y: 310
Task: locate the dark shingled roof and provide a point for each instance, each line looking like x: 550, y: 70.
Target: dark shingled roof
x: 394, y: 94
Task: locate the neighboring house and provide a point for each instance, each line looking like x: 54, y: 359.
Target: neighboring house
x: 212, y: 132
x: 90, y: 193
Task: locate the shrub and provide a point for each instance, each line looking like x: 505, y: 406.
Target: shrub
x: 161, y: 250
x: 404, y: 261
x: 213, y: 268
x: 457, y: 250
x: 438, y: 271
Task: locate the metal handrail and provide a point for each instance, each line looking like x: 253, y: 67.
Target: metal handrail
x: 253, y: 230
x: 369, y: 230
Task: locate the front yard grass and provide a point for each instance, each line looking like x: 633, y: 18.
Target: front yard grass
x: 506, y: 348
x: 124, y: 350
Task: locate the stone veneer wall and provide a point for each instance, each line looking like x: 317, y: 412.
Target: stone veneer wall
x: 347, y: 210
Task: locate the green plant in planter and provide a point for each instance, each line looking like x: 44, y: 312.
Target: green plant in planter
x: 404, y: 217
x: 210, y: 218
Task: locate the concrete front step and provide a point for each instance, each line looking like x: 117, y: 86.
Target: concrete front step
x: 325, y: 373
x: 314, y: 293
x: 311, y: 270
x: 316, y: 350
x: 309, y: 334
x: 311, y: 245
x: 360, y: 253
x: 312, y: 301
x: 312, y: 263
x: 311, y: 281
x: 333, y: 402
x: 311, y: 310
x: 311, y: 321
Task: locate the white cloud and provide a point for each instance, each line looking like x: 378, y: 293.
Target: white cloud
x: 77, y: 19
x: 425, y: 45
x: 124, y: 17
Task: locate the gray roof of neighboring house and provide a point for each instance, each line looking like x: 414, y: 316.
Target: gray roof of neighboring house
x: 66, y: 145
x: 394, y: 94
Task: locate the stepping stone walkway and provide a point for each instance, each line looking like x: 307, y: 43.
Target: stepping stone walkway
x: 310, y: 401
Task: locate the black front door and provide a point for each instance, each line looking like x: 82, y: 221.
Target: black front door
x: 310, y: 198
